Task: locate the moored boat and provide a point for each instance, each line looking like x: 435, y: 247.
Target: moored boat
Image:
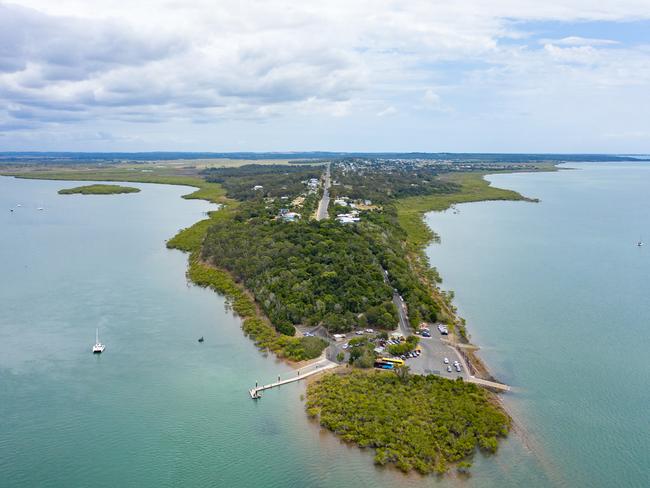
x: 98, y: 348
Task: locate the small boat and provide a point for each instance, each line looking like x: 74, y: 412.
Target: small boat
x: 40, y: 208
x: 640, y: 243
x: 18, y: 205
x: 98, y: 348
x: 201, y: 339
x: 11, y: 209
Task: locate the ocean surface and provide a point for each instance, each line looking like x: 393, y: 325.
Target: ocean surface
x: 557, y: 295
x: 555, y: 292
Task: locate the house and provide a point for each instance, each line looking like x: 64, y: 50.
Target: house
x: 290, y: 216
x: 350, y: 218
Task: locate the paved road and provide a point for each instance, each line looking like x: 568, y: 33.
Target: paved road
x: 403, y: 324
x: 321, y: 213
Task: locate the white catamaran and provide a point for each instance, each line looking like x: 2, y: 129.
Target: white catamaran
x: 98, y: 348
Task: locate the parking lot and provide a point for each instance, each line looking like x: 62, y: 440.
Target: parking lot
x: 431, y: 359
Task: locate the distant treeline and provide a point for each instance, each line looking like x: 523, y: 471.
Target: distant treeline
x: 306, y: 156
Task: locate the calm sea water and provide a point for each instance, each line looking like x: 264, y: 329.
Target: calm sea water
x: 556, y: 293
x: 157, y: 408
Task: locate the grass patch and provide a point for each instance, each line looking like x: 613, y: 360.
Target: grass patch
x: 98, y: 190
x: 421, y: 423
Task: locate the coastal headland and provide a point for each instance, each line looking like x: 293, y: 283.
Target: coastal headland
x: 338, y: 287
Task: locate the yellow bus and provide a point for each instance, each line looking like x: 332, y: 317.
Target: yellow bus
x: 395, y: 361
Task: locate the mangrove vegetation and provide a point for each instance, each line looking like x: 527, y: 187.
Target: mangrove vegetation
x: 421, y: 423
x: 98, y: 190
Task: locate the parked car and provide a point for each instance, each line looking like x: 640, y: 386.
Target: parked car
x: 446, y: 360
x: 448, y: 369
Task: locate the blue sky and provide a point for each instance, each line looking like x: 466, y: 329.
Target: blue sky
x: 348, y: 75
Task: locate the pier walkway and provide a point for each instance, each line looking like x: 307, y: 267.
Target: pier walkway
x: 489, y: 384
x: 302, y: 373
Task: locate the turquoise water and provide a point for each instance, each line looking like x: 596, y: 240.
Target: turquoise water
x: 556, y: 293
x: 159, y: 409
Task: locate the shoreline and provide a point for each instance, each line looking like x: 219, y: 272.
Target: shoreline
x: 412, y: 213
x: 195, y: 234
x: 475, y: 189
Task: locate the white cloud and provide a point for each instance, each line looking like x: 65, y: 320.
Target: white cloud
x: 387, y: 112
x: 431, y: 98
x: 579, y: 41
x: 215, y: 62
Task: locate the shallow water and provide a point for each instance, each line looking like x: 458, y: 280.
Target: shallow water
x: 556, y: 294
x: 160, y: 409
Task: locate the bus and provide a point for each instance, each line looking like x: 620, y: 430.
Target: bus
x: 383, y: 365
x: 395, y: 361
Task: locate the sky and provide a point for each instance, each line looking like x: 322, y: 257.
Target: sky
x: 569, y: 76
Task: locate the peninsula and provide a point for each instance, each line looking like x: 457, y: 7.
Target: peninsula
x: 325, y: 258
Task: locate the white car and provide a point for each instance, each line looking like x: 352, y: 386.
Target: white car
x: 446, y: 360
x: 359, y: 332
x: 369, y: 331
x: 346, y: 345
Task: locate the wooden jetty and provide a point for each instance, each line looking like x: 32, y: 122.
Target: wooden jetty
x: 318, y: 367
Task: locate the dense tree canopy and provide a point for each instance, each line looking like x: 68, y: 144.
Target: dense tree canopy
x: 416, y: 422
x: 275, y: 180
x: 310, y: 272
x: 304, y: 272
x: 379, y: 181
